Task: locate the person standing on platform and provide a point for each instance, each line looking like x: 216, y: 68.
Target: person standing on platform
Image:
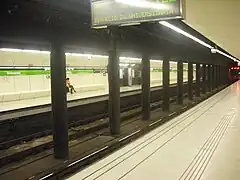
x: 69, y: 86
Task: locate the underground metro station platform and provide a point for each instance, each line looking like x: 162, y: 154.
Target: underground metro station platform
x: 115, y: 90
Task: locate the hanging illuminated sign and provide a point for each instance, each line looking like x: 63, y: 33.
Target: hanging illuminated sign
x: 127, y: 12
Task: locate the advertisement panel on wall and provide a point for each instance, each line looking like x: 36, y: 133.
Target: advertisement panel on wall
x: 127, y: 12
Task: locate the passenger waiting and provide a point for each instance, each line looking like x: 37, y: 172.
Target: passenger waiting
x: 69, y: 87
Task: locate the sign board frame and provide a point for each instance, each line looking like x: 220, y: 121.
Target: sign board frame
x: 113, y: 13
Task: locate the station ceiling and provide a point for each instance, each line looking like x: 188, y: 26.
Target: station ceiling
x: 218, y: 20
x: 71, y: 19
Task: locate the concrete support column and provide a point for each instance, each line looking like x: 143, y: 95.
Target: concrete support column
x: 180, y: 82
x: 218, y: 76
x: 221, y: 75
x: 114, y: 86
x: 59, y: 100
x: 207, y: 78
x: 213, y: 77
x: 224, y: 75
x: 226, y: 72
x: 145, y: 87
x: 198, y: 76
x: 204, y: 79
x: 190, y: 80
x: 166, y: 74
x: 210, y: 77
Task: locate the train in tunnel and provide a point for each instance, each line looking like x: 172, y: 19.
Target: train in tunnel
x: 234, y: 73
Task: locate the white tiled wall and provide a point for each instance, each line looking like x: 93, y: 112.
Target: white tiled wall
x: 7, y: 84
x: 14, y: 84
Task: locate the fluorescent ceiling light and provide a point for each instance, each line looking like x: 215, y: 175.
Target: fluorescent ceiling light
x: 180, y: 31
x: 124, y: 65
x: 24, y: 50
x: 85, y: 55
x: 224, y: 54
x: 48, y: 52
x: 143, y: 4
x: 167, y: 24
x: 173, y: 62
x: 21, y: 67
x: 89, y: 57
x: 100, y: 27
x: 130, y: 58
x: 129, y: 24
x: 99, y: 56
x: 156, y: 61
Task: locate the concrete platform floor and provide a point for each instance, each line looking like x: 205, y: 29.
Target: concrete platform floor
x: 13, y: 105
x: 202, y: 143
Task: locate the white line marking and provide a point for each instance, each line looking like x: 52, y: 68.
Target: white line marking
x: 171, y: 114
x: 87, y: 156
x: 46, y: 176
x: 129, y: 135
x: 154, y: 123
x: 184, y: 107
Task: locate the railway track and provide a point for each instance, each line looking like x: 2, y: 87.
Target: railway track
x: 35, y: 124
x: 131, y: 116
x: 130, y: 107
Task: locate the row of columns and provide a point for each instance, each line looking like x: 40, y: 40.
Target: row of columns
x: 212, y: 76
x: 208, y: 77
